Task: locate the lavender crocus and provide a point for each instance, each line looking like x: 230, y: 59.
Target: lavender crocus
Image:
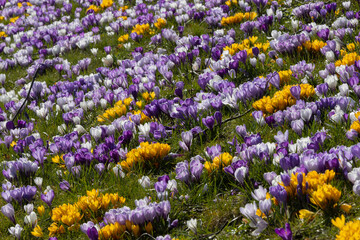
x: 9, y: 212
x: 65, y: 185
x: 284, y: 233
x: 48, y: 197
x: 208, y: 122
x: 295, y: 92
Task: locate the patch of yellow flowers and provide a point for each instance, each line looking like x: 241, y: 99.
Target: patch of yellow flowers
x: 112, y: 231
x: 247, y: 44
x: 282, y: 99
x: 95, y: 201
x: 106, y: 3
x: 141, y: 29
x: 321, y: 193
x: 70, y: 215
x: 348, y: 59
x: 349, y: 230
x: 237, y: 18
x: 116, y: 231
x: 93, y: 7
x: 310, y: 182
x: 124, y: 38
x: 314, y: 46
x: 160, y: 23
x: 120, y: 108
x: 231, y: 2
x: 325, y: 196
x: 221, y: 161
x: 285, y: 76
x: 147, y: 153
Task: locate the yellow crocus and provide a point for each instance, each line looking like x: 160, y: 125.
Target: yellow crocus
x: 37, y: 232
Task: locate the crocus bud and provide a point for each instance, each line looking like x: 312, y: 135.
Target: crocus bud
x: 38, y: 181
x: 9, y: 212
x: 64, y: 185
x: 295, y: 92
x: 145, y: 182
x: 48, y: 197
x: 31, y: 219
x: 16, y: 231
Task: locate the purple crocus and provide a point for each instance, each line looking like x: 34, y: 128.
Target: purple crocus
x: 284, y: 233
x: 196, y: 168
x: 9, y: 212
x: 92, y: 233
x: 48, y: 197
x: 218, y: 117
x: 186, y: 142
x: 107, y: 49
x: 182, y: 171
x: 208, y: 122
x: 295, y: 92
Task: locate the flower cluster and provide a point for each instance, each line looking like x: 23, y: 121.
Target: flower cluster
x: 147, y: 154
x: 348, y: 230
x: 237, y: 18
x: 86, y: 208
x: 284, y: 98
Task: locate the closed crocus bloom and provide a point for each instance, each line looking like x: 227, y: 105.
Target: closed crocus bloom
x: 344, y: 89
x: 295, y: 91
x: 41, y: 210
x: 37, y: 232
x: 259, y: 194
x: 16, y: 231
x: 196, y: 168
x: 284, y: 233
x: 187, y: 138
x: 48, y: 197
x: 208, y: 122
x: 9, y: 212
x: 149, y: 228
x: 356, y: 187
x: 92, y: 233
x: 330, y: 56
x: 64, y: 185
x: 192, y: 225
x: 331, y: 81
x: 305, y: 114
x: 100, y: 167
x: 135, y: 230
x: 108, y: 61
x: 269, y: 177
x: 297, y: 126
x: 29, y: 208
x: 31, y: 219
x: 265, y: 206
x: 253, y: 62
x: 240, y: 174
x: 145, y: 181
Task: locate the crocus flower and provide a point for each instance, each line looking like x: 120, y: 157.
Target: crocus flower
x: 9, y: 212
x: 48, y: 197
x: 192, y: 225
x: 31, y: 219
x: 208, y: 122
x: 16, y: 231
x: 64, y: 185
x: 284, y: 233
x: 295, y: 91
x: 144, y: 181
x: 92, y: 233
